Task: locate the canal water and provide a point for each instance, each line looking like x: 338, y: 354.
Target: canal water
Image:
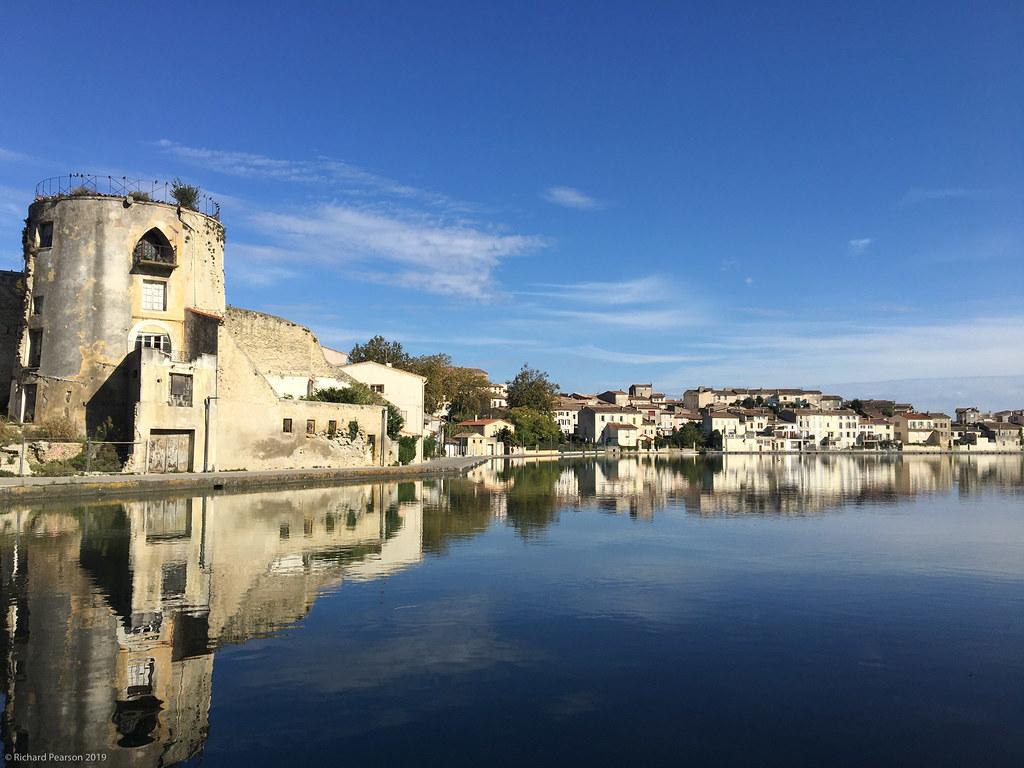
x: 737, y: 611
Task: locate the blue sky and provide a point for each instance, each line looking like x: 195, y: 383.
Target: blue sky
x: 679, y: 193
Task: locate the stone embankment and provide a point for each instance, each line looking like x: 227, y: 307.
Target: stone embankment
x: 15, y: 489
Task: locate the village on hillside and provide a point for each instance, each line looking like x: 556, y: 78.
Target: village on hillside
x: 763, y: 420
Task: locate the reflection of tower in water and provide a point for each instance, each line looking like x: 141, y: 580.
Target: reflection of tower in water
x: 113, y: 615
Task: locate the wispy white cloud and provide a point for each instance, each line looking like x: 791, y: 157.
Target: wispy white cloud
x: 796, y: 354
x: 858, y: 245
x: 631, y: 358
x: 570, y: 197
x: 639, y: 319
x: 929, y: 194
x: 422, y: 252
x: 339, y: 175
x: 617, y: 293
x: 9, y: 155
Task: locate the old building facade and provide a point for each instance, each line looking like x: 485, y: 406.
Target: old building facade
x: 124, y: 335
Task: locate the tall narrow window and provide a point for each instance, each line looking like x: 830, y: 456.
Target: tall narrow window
x: 29, y: 414
x: 310, y: 426
x: 45, y: 234
x: 35, y: 347
x: 37, y: 305
x: 154, y: 295
x: 286, y: 425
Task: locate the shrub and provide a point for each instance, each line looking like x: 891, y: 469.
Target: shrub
x: 80, y: 191
x: 53, y: 469
x: 59, y: 428
x: 186, y: 195
x: 406, y: 449
x: 142, y: 197
x: 7, y: 473
x: 104, y: 459
x: 430, y: 447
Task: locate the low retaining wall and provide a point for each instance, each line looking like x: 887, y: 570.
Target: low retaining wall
x: 116, y: 486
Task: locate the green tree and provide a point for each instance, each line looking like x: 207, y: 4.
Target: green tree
x: 691, y: 436
x: 380, y: 350
x: 857, y: 406
x: 531, y: 388
x: 714, y: 441
x: 469, y: 394
x: 533, y: 427
x: 395, y: 421
x: 406, y: 449
x: 355, y: 393
x: 437, y: 370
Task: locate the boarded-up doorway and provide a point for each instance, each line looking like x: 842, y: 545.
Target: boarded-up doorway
x: 170, y: 450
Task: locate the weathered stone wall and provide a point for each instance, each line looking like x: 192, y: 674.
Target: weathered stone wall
x: 92, y: 294
x: 279, y: 346
x: 12, y: 315
x: 247, y: 422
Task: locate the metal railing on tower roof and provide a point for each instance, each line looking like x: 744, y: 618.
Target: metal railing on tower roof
x: 142, y: 190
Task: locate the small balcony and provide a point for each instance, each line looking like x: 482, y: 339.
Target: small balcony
x: 149, y: 253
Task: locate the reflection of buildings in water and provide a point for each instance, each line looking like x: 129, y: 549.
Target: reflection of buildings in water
x: 813, y: 484
x: 751, y: 484
x: 114, y: 612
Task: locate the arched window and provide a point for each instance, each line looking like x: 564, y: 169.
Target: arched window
x: 159, y: 341
x: 154, y: 249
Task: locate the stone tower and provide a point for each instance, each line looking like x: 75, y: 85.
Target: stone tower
x: 111, y: 266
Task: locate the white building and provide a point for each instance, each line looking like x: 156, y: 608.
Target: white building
x: 402, y: 389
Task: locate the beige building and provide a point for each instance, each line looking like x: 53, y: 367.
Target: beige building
x: 469, y: 443
x: 125, y: 336
x: 875, y: 432
x: 614, y: 397
x: 595, y: 425
x: 402, y: 389
x: 930, y: 429
x: 485, y: 427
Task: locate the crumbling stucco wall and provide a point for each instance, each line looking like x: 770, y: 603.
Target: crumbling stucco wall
x: 280, y: 347
x: 248, y: 422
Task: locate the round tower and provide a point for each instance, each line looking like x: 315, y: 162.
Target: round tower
x: 111, y: 265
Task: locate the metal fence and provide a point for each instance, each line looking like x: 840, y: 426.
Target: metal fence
x: 120, y: 186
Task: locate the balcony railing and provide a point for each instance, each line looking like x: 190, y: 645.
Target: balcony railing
x: 154, y: 254
x: 76, y: 184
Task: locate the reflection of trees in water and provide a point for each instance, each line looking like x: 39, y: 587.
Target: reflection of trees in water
x: 532, y: 504
x: 463, y: 511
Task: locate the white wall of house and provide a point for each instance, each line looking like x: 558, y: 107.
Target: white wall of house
x: 403, y: 389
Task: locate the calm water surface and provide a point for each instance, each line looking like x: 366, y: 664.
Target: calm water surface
x: 814, y: 611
